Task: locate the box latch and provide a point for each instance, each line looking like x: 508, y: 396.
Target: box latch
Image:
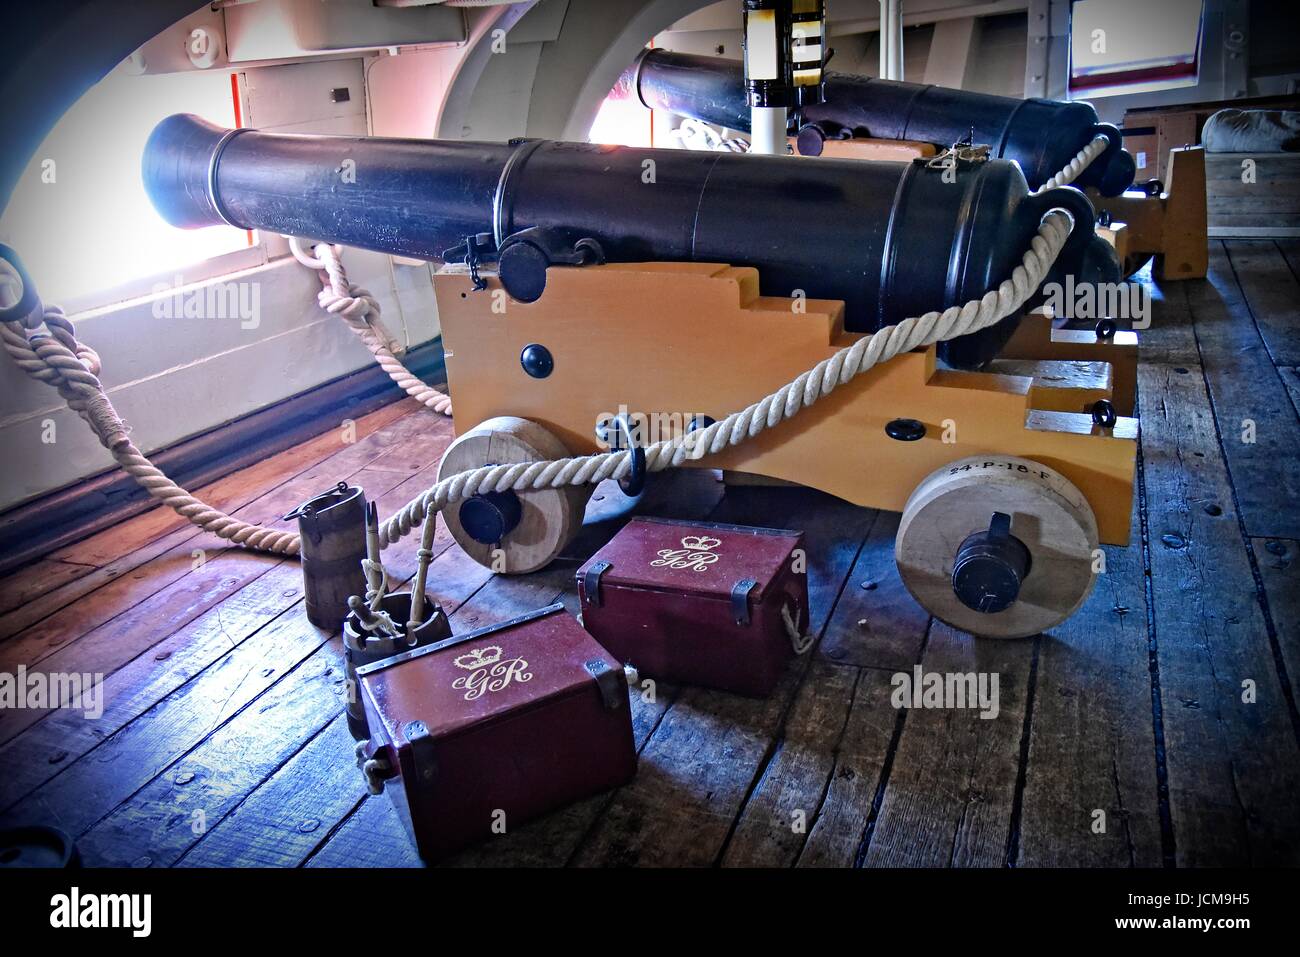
x: 591, y: 582
x: 611, y: 689
x: 422, y: 759
x: 740, y: 600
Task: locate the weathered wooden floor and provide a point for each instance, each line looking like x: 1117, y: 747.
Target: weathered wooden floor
x: 1168, y: 702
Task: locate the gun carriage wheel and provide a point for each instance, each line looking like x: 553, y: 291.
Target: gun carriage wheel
x: 997, y: 545
x: 514, y: 532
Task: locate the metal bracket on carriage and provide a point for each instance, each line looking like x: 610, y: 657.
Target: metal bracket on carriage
x: 525, y: 256
x: 473, y: 252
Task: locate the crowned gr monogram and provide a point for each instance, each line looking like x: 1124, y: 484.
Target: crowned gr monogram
x: 487, y: 672
x: 697, y: 553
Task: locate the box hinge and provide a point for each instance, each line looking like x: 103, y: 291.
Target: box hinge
x: 423, y: 764
x: 611, y: 689
x: 591, y: 582
x: 740, y: 600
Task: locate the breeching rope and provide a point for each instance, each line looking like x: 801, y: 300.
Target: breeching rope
x: 359, y: 309
x: 786, y: 402
x: 1073, y: 169
x: 45, y: 346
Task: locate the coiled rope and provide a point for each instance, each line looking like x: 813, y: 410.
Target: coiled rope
x: 56, y: 357
x: 360, y: 310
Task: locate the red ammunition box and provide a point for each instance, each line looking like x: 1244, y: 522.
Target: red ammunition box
x: 480, y: 732
x: 698, y: 602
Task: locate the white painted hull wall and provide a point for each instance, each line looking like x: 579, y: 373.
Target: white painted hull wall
x: 172, y: 378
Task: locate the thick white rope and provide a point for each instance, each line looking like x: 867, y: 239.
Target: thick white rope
x: 360, y: 310
x: 695, y: 134
x: 56, y: 358
x: 784, y: 403
x: 1073, y: 169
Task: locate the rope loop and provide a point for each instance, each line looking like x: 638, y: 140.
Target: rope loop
x: 361, y: 311
x: 799, y: 641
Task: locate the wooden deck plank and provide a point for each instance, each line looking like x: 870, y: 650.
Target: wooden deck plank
x: 52, y: 745
x: 179, y: 543
x: 701, y: 762
x: 1272, y: 292
x: 1256, y: 420
x: 863, y: 756
x: 159, y: 823
x: 91, y: 788
x: 117, y: 544
x: 178, y: 710
x: 1291, y: 379
x: 121, y: 638
x: 1233, y: 766
x: 822, y: 757
x: 30, y: 583
x: 281, y: 821
x: 877, y: 623
x: 1092, y: 743
x: 372, y: 837
x: 1279, y: 569
x: 787, y: 798
x: 157, y: 816
x: 951, y: 789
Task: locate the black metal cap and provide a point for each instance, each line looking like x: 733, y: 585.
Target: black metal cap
x: 178, y: 170
x: 810, y: 140
x: 990, y: 567
x: 490, y: 516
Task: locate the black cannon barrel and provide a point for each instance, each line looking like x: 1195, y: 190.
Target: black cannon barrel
x: 890, y: 239
x: 1041, y: 135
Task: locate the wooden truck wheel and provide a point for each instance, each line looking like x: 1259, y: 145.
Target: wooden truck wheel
x: 998, y: 546
x: 511, y: 532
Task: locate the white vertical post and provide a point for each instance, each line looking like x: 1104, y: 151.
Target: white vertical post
x: 767, y: 125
